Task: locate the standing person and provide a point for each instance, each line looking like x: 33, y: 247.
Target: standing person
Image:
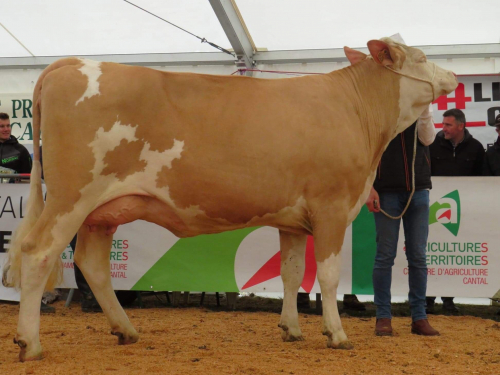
x: 455, y: 152
x: 88, y: 301
x: 491, y: 164
x: 13, y: 155
x: 391, y: 191
x: 350, y: 302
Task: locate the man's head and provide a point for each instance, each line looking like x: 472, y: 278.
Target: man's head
x: 5, y: 129
x: 454, y: 125
x: 497, y: 124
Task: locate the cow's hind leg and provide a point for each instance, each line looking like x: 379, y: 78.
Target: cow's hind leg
x: 41, y: 250
x: 328, y: 238
x: 293, y: 249
x: 92, y: 257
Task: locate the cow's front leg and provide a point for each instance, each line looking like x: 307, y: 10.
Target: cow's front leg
x: 328, y: 238
x: 293, y: 248
x: 92, y: 257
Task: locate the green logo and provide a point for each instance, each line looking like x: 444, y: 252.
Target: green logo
x: 447, y: 212
x: 8, y: 160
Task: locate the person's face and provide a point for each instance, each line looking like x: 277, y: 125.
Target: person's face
x: 5, y: 130
x: 452, y: 130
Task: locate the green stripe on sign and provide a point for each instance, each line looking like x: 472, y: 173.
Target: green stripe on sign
x: 203, y: 263
x: 364, y: 248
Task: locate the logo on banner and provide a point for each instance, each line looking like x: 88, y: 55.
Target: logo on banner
x: 272, y: 269
x: 446, y: 211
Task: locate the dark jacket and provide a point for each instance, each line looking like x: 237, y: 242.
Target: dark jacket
x: 491, y: 165
x: 14, y: 155
x: 466, y: 159
x: 394, y: 173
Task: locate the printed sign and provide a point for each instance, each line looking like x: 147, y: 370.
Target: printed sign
x: 463, y: 250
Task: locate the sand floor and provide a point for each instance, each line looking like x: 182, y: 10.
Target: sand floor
x: 204, y: 341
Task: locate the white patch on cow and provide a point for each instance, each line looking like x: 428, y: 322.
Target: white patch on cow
x: 354, y: 211
x: 328, y: 276
x: 91, y: 69
x: 105, y: 141
x: 410, y: 92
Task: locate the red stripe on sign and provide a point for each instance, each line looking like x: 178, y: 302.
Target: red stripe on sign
x: 311, y: 267
x: 268, y: 271
x: 472, y: 123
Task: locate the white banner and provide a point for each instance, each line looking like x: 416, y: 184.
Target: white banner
x: 463, y: 250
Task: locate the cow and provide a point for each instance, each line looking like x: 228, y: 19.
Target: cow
x: 199, y: 154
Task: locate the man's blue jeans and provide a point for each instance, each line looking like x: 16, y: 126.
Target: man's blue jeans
x: 416, y: 230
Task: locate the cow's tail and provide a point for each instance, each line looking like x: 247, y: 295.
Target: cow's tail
x: 12, y: 270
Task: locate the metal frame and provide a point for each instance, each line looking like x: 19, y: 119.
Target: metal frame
x: 260, y: 57
x: 236, y: 31
x: 338, y: 55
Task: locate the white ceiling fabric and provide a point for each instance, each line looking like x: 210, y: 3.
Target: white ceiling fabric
x: 86, y: 27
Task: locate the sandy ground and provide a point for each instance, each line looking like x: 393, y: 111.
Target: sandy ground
x: 203, y: 341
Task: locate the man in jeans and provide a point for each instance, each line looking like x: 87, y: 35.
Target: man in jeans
x: 391, y: 191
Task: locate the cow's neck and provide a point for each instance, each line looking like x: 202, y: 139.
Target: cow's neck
x: 376, y: 98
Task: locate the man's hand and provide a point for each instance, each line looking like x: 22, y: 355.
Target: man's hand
x: 373, y: 201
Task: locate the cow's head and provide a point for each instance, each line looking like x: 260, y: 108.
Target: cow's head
x: 421, y: 81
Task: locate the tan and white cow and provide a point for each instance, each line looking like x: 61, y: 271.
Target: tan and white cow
x: 205, y: 154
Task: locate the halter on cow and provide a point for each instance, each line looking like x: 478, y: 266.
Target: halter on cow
x: 186, y: 152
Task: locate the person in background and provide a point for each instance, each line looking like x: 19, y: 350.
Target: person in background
x: 491, y: 164
x: 13, y: 155
x: 88, y: 301
x: 455, y: 152
x: 15, y: 158
x: 350, y: 302
x: 391, y: 192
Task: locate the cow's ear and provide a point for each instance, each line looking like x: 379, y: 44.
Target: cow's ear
x: 354, y: 56
x: 387, y: 55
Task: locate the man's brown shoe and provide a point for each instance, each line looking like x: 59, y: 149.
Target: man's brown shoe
x: 383, y: 327
x: 422, y: 327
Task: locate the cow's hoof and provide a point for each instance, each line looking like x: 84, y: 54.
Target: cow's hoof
x: 287, y: 337
x: 290, y: 335
x: 25, y: 355
x: 126, y: 339
x: 346, y: 345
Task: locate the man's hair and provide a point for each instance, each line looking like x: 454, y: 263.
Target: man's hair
x: 497, y: 121
x: 458, y: 114
x: 4, y: 116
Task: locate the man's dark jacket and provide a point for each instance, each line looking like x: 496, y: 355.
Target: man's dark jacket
x: 14, y: 155
x: 466, y: 159
x: 394, y: 173
x: 491, y: 165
